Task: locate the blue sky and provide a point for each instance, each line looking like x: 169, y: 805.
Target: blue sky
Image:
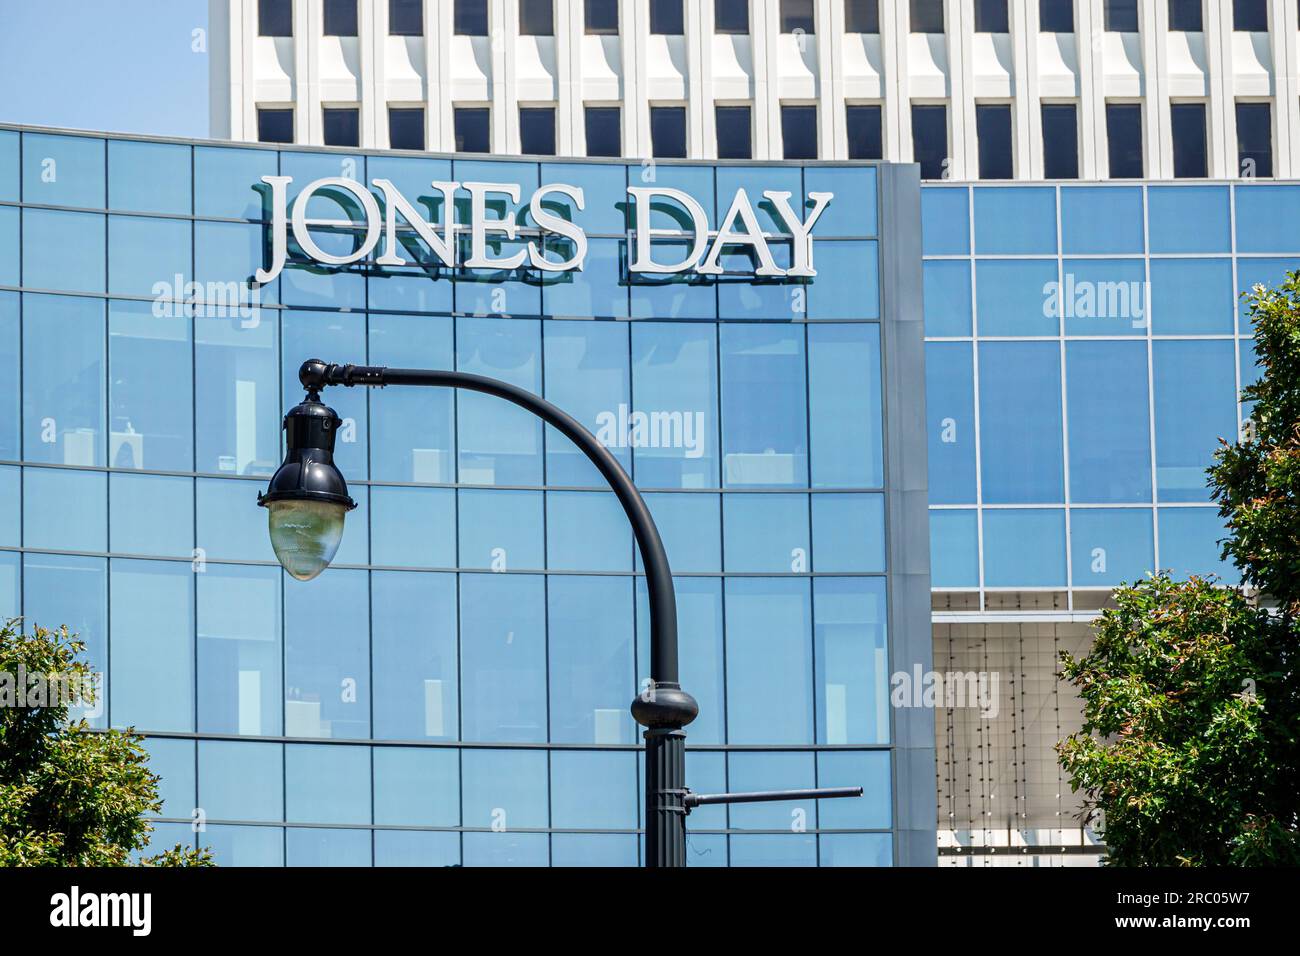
x: 124, y: 66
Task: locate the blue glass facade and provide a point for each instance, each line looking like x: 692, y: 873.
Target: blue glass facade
x: 1085, y: 347
x: 455, y: 688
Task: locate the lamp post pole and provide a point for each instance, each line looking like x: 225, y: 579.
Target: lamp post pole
x: 308, y: 498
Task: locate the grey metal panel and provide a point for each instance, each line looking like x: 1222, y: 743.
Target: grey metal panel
x: 906, y: 507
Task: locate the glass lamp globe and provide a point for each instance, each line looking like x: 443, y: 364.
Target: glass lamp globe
x: 305, y: 534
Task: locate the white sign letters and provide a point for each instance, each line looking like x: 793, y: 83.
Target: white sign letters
x: 739, y: 228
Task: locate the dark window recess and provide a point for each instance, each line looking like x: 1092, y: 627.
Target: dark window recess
x: 993, y: 129
x: 991, y: 16
x: 799, y: 132
x: 863, y: 123
x: 275, y: 126
x: 1056, y: 16
x: 537, y: 18
x: 472, y: 130
x: 275, y: 18
x: 1121, y: 16
x: 1185, y: 16
x: 731, y: 16
x: 601, y: 16
x: 604, y: 130
x: 340, y: 18
x: 861, y: 16
x: 1255, y: 140
x: 930, y: 140
x: 537, y: 130
x: 1060, y: 141
x: 668, y: 132
x: 1187, y: 121
x: 406, y: 128
x: 735, y: 136
x: 1124, y: 140
x: 797, y: 16
x: 405, y: 18
x: 342, y: 126
x: 1250, y: 16
x: 470, y: 18
x: 666, y: 18
x: 926, y: 16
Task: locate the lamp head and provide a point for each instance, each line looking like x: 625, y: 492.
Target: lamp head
x: 307, y: 498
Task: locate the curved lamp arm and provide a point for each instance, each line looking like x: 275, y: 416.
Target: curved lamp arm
x: 663, y: 704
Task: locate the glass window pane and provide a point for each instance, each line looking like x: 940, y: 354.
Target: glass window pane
x: 847, y: 285
x: 151, y: 424
x: 1110, y: 546
x: 1060, y: 141
x: 151, y: 515
x: 245, y: 846
x: 598, y: 290
x: 1187, y: 123
x: 1253, y: 271
x: 498, y: 442
x: 505, y: 789
x: 508, y: 848
x: 1195, y: 395
x: 415, y: 655
x: 1020, y: 433
x: 1014, y: 297
x: 327, y: 656
x: 866, y: 769
x: 765, y: 533
x: 1191, y: 296
x: 413, y: 527
x: 228, y: 181
x: 1110, y: 446
x: 240, y: 691
x: 416, y: 848
x: 865, y: 131
x: 63, y: 170
x: 954, y: 549
x: 501, y: 530
x: 603, y: 129
x: 63, y: 380
x: 849, y: 623
x: 9, y: 165
x: 1101, y: 219
x: 855, y: 849
x: 674, y: 377
x: 1015, y: 220
x: 993, y: 133
x: 174, y: 762
x: 63, y: 250
x: 237, y: 395
x: 315, y: 846
x: 950, y: 406
x: 10, y: 361
x: 1103, y: 297
x: 594, y: 849
x: 947, y: 297
x: 324, y: 783
x: 1170, y: 208
x: 1024, y: 548
x: 587, y: 531
x: 1190, y: 544
x: 152, y: 617
x: 764, y: 417
x: 411, y: 439
x: 945, y: 221
x: 691, y: 528
x: 1263, y: 214
x: 417, y: 786
x: 229, y: 526
x: 769, y: 661
x: 930, y: 140
x: 767, y: 850
x: 10, y: 255
x: 1124, y: 138
x: 65, y: 510
x: 587, y: 375
x: 593, y: 790
x: 149, y: 177
x: 848, y: 533
x: 241, y: 780
x: 592, y: 674
x: 503, y: 644
x: 67, y: 590
x: 788, y: 770
x: 845, y: 406
x: 11, y: 506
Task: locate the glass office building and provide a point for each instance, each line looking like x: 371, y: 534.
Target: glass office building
x: 455, y: 689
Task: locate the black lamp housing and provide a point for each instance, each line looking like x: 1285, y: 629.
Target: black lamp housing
x: 309, y: 472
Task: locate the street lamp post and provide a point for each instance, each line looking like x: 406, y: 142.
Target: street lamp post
x: 307, y: 500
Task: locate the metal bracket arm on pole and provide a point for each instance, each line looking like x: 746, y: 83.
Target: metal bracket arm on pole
x: 693, y: 800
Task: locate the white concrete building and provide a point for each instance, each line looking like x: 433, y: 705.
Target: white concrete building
x: 1000, y: 59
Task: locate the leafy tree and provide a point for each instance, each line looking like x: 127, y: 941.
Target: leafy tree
x: 69, y: 796
x: 1190, y: 748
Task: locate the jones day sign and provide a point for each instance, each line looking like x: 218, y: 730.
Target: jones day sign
x: 739, y: 227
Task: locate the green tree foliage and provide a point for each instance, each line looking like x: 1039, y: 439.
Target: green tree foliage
x: 69, y: 796
x: 1190, y: 749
